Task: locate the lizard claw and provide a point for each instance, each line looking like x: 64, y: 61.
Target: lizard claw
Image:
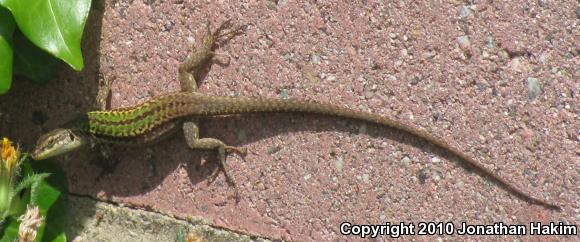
x: 226, y: 31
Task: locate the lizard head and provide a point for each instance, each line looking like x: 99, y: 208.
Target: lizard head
x: 56, y: 142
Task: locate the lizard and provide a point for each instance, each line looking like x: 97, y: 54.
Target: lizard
x: 164, y: 115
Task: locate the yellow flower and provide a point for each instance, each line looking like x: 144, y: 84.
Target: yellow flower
x: 10, y: 155
x: 7, y: 148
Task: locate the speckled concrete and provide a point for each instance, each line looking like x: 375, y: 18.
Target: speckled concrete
x: 92, y: 221
x: 496, y: 79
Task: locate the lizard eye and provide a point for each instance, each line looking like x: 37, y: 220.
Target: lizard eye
x: 71, y: 136
x: 51, y: 141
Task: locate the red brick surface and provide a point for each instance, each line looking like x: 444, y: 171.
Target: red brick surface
x: 460, y: 71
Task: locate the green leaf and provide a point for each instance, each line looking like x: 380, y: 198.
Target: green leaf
x: 9, y: 230
x: 60, y: 238
x: 54, y: 25
x: 32, y: 181
x: 32, y: 62
x: 52, y: 204
x: 6, y: 55
x: 47, y: 197
x: 44, y: 192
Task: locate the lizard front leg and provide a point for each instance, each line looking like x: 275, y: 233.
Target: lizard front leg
x: 103, y: 151
x: 190, y: 69
x: 189, y: 72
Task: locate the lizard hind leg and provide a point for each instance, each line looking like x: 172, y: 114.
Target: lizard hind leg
x: 191, y: 133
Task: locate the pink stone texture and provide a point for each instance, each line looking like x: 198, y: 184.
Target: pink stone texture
x: 496, y: 79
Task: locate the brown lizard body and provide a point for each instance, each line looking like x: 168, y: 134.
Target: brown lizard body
x: 149, y: 121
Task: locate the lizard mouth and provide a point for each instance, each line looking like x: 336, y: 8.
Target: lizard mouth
x: 36, y: 155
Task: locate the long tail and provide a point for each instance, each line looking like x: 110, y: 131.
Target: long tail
x: 214, y: 106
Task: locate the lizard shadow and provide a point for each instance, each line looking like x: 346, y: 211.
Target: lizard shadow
x: 146, y: 170
x: 287, y: 123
